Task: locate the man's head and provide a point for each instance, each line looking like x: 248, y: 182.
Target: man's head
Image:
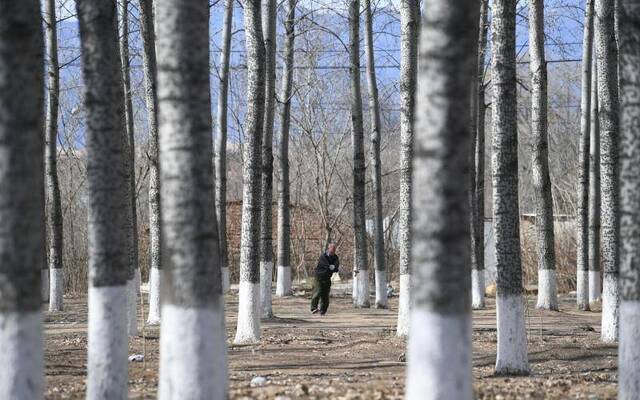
x: 331, y: 249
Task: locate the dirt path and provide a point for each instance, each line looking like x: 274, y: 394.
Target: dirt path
x: 354, y: 354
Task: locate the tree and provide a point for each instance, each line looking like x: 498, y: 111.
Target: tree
x: 361, y: 268
x: 54, y: 209
x: 248, y: 329
x: 595, y: 288
x: 22, y: 240
x: 133, y: 283
x: 109, y: 205
x: 547, y: 288
x: 193, y: 362
x: 512, y: 337
x: 376, y: 127
x: 582, y: 279
x: 410, y: 22
x: 629, y: 353
x: 221, y: 144
x: 266, y: 220
x: 283, y: 285
x: 478, y: 109
x: 440, y: 339
x: 151, y: 99
x: 606, y: 55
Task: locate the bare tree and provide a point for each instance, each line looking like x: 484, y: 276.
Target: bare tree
x: 512, y: 337
x: 629, y: 353
x: 248, y: 329
x: 547, y: 287
x: 478, y: 109
x: 440, y: 339
x: 361, y: 267
x: 54, y: 209
x: 109, y: 206
x: 606, y: 55
x: 582, y: 279
x: 221, y: 144
x: 193, y: 362
x: 22, y: 240
x: 410, y: 23
x: 283, y: 285
x: 266, y: 220
x: 595, y: 278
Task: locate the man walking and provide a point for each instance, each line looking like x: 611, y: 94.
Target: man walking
x: 328, y: 264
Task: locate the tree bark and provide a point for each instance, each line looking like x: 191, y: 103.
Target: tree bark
x: 193, y: 362
x: 283, y: 286
x: 22, y: 239
x: 361, y: 268
x: 248, y: 329
x: 606, y: 55
x: 629, y: 372
x: 440, y: 340
x: 512, y: 356
x: 582, y: 242
x: 595, y: 286
x: 221, y: 144
x: 54, y: 209
x: 149, y: 65
x: 109, y: 204
x: 547, y: 288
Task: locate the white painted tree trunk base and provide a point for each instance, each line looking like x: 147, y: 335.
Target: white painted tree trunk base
x: 248, y: 329
x: 381, y: 289
x: 512, y: 357
x: 226, y: 282
x: 547, y: 290
x: 45, y: 285
x: 354, y: 290
x: 582, y: 290
x: 283, y: 282
x: 56, y: 292
x: 193, y: 354
x: 610, y: 303
x: 21, y: 373
x: 629, y: 351
x: 266, y: 280
x: 362, y: 292
x: 404, y: 306
x: 477, y: 289
x: 132, y: 303
x: 595, y: 290
x: 155, y: 281
x: 107, y: 364
x: 439, y: 356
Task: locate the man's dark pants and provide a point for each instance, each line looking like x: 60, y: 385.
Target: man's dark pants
x: 321, y: 290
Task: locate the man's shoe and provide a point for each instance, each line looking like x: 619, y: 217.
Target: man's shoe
x: 314, y: 311
x: 322, y: 313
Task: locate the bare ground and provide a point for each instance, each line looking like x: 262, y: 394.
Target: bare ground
x: 354, y: 354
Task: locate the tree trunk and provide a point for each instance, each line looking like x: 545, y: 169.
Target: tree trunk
x: 547, y: 288
x: 582, y: 278
x: 22, y: 240
x: 606, y: 55
x: 266, y: 219
x: 512, y: 337
x: 629, y: 371
x: 134, y: 281
x: 477, y: 171
x: 376, y: 127
x: 221, y: 144
x: 409, y: 23
x: 361, y: 268
x: 248, y: 329
x: 440, y: 340
x: 595, y: 287
x: 193, y: 362
x: 151, y: 99
x: 283, y: 286
x: 109, y: 205
x: 54, y: 209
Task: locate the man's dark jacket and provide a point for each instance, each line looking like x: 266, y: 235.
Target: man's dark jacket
x: 322, y: 269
